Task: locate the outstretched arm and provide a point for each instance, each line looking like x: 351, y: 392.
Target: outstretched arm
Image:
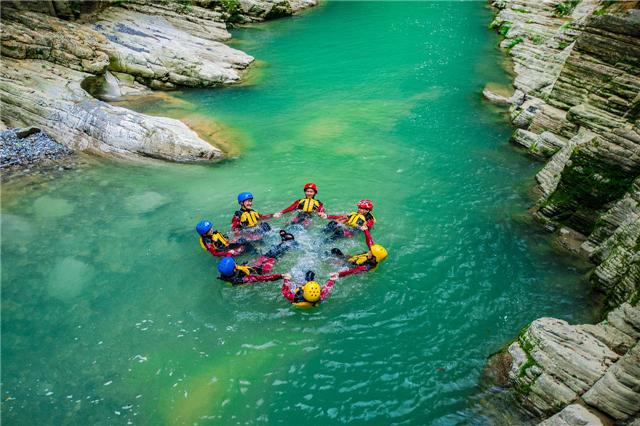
x: 327, y: 287
x: 286, y: 291
x: 291, y: 208
x: 211, y: 248
x: 360, y: 269
x: 261, y: 278
x: 368, y: 236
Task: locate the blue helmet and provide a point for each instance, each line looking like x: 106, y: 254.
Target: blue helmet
x: 226, y: 266
x: 244, y: 196
x: 203, y: 227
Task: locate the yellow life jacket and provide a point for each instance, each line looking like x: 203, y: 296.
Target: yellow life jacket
x: 308, y: 205
x: 246, y: 269
x: 358, y: 220
x: 358, y: 259
x: 251, y: 217
x: 217, y: 237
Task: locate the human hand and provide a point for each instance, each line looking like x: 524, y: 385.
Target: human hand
x: 277, y: 215
x: 364, y: 227
x: 322, y: 215
x: 334, y: 276
x: 286, y: 276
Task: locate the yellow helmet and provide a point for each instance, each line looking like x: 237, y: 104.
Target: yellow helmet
x: 378, y: 252
x: 311, y: 291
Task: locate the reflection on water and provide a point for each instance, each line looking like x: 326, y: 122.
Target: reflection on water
x: 112, y: 313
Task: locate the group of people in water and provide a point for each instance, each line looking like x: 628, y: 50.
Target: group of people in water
x: 249, y: 226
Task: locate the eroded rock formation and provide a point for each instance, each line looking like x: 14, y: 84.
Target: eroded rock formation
x: 577, y: 105
x: 54, y: 50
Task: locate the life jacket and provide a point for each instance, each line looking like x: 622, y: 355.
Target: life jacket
x: 248, y: 218
x: 238, y: 276
x: 362, y: 259
x: 217, y: 239
x: 300, y: 301
x: 308, y: 205
x: 357, y: 220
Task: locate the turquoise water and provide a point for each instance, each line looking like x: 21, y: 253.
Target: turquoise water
x: 112, y: 313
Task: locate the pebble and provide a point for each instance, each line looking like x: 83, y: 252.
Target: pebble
x: 30, y: 151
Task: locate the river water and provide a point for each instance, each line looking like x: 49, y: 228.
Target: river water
x: 112, y: 313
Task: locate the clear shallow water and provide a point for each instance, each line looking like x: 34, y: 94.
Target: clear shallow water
x: 112, y: 313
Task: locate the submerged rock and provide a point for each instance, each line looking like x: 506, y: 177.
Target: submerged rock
x: 69, y: 278
x: 47, y: 207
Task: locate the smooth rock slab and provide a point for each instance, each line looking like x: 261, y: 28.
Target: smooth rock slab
x: 573, y: 415
x: 69, y: 278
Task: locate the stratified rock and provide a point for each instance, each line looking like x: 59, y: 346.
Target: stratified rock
x: 573, y: 415
x: 617, y: 392
x: 33, y: 92
x: 567, y: 361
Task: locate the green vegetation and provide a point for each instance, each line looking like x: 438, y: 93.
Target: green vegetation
x: 586, y: 186
x: 537, y: 40
x: 184, y: 6
x: 604, y: 10
x: 565, y: 8
x: 504, y: 29
x: 279, y: 10
x: 512, y: 43
x: 521, y: 10
x: 231, y: 10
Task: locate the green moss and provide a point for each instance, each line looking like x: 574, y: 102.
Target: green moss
x: 512, y: 43
x: 231, y: 11
x: 565, y: 8
x: 521, y: 10
x: 586, y: 186
x: 504, y: 29
x: 279, y: 10
x: 537, y: 40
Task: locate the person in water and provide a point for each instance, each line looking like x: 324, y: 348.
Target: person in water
x: 349, y: 225
x: 363, y: 262
x: 254, y: 271
x: 248, y: 220
x: 306, y: 207
x: 234, y: 274
x: 216, y: 243
x: 309, y: 295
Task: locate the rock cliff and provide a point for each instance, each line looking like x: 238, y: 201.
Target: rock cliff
x: 56, y: 52
x: 577, y: 106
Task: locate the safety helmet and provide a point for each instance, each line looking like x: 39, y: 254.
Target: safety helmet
x: 226, y: 266
x: 244, y: 196
x: 312, y: 186
x: 365, y: 204
x: 378, y: 252
x: 311, y: 291
x: 203, y: 227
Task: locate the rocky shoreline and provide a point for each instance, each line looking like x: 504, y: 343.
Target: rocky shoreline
x: 29, y: 148
x: 577, y: 106
x: 57, y: 55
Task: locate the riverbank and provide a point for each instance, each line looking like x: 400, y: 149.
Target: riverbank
x: 56, y: 57
x: 576, y: 106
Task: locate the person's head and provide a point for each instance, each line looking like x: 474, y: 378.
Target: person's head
x: 364, y: 207
x: 311, y: 291
x: 310, y: 190
x: 378, y: 253
x: 227, y: 266
x: 245, y: 199
x: 204, y: 228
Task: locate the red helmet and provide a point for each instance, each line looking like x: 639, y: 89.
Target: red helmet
x: 312, y: 186
x: 365, y: 204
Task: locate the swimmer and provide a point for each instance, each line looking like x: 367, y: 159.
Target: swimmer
x: 310, y: 294
x: 247, y: 221
x: 363, y: 262
x: 348, y: 225
x: 306, y: 207
x: 216, y: 243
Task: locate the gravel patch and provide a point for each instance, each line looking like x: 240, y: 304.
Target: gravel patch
x: 30, y: 151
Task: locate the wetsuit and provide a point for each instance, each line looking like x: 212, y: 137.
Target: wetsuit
x: 348, y: 225
x: 296, y: 296
x: 306, y: 209
x: 359, y: 263
x: 218, y: 245
x: 253, y: 271
x: 248, y: 221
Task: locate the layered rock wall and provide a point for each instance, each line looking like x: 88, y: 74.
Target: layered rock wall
x: 577, y: 104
